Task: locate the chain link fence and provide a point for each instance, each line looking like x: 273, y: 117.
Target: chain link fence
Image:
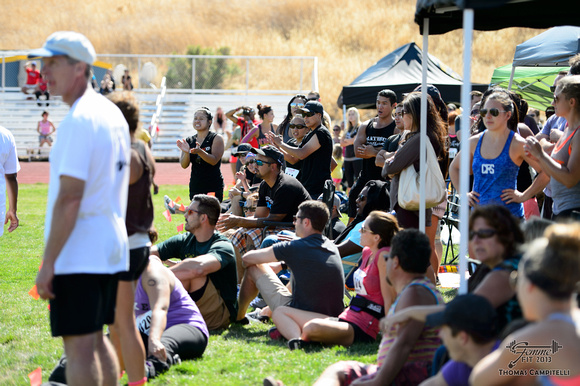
x: 195, y: 72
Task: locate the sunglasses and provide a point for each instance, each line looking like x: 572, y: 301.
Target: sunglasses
x: 297, y: 127
x: 482, y: 234
x: 296, y: 104
x: 313, y: 99
x: 294, y: 218
x: 494, y: 112
x: 361, y: 198
x: 191, y: 211
x: 260, y: 162
x: 556, y: 98
x: 553, y: 88
x: 309, y: 114
x: 474, y: 112
x: 364, y: 229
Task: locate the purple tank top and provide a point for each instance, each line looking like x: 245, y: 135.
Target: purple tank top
x: 182, y: 309
x: 491, y: 176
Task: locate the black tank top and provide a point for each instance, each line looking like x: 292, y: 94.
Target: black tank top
x: 205, y: 177
x: 262, y: 141
x: 375, y: 137
x: 139, y: 217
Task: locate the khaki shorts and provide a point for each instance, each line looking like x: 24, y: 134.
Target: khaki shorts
x: 213, y: 309
x: 275, y: 294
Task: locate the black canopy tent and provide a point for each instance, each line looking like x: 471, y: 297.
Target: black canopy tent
x: 441, y: 16
x: 400, y: 71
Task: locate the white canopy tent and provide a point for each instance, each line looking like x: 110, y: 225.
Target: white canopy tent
x: 441, y: 16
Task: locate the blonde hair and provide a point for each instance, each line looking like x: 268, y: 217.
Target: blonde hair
x: 358, y: 121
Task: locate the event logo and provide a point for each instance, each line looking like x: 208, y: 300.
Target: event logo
x: 532, y: 354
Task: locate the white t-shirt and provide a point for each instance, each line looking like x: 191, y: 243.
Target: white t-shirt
x: 8, y: 165
x: 94, y: 146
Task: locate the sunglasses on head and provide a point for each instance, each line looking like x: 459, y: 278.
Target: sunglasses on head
x: 482, y: 233
x: 297, y: 127
x: 309, y: 114
x: 293, y: 104
x: 494, y: 112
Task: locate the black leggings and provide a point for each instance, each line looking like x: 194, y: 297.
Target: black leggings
x: 184, y: 340
x: 351, y: 171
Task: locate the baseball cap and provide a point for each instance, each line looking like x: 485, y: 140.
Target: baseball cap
x: 434, y: 93
x: 242, y: 149
x: 69, y: 43
x: 335, y: 202
x: 272, y: 152
x: 312, y: 107
x: 470, y: 313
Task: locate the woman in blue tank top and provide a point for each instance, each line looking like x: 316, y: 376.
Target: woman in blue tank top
x: 496, y: 156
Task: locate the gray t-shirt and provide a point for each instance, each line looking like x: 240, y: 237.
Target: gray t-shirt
x: 317, y: 276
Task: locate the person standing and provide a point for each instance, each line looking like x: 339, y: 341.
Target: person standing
x: 352, y: 164
x: 86, y: 239
x: 9, y: 166
x: 369, y: 140
x: 204, y: 152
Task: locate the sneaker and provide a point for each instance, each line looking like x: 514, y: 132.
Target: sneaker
x: 242, y: 321
x: 176, y: 359
x: 296, y: 343
x: 258, y: 302
x: 255, y: 317
x: 271, y: 381
x: 166, y: 201
x: 274, y: 334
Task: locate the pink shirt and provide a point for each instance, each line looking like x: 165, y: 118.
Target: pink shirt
x: 368, y: 285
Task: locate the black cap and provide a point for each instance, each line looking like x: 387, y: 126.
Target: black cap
x: 272, y: 152
x: 470, y: 313
x: 311, y: 107
x: 434, y: 93
x: 242, y: 149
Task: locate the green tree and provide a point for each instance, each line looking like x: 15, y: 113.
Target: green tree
x: 210, y: 73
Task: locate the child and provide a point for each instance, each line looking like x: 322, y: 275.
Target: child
x: 45, y: 128
x: 336, y: 174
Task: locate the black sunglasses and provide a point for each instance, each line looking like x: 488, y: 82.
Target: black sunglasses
x: 361, y: 198
x: 309, y: 114
x: 297, y: 127
x: 553, y: 88
x: 482, y: 233
x: 294, y: 218
x: 494, y: 112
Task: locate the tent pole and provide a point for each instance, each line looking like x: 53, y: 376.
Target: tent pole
x: 344, y: 117
x: 423, y: 131
x: 512, y: 77
x: 465, y: 151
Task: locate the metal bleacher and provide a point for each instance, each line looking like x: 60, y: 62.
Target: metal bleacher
x: 21, y: 116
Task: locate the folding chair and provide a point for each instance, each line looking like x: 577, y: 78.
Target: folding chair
x: 451, y: 220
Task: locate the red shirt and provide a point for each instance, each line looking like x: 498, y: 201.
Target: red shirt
x: 33, y: 76
x: 42, y: 84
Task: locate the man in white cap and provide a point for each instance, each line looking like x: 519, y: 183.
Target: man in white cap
x: 86, y: 239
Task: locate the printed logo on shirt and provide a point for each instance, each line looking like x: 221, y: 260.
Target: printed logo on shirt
x: 208, y: 148
x: 487, y: 169
x: 269, y: 202
x: 375, y: 141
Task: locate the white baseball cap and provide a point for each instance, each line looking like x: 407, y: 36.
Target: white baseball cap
x: 69, y: 43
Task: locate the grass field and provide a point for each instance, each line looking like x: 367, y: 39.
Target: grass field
x: 238, y: 356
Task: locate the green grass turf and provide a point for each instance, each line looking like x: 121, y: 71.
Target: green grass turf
x: 237, y: 356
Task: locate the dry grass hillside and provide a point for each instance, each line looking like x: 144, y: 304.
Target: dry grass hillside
x: 347, y: 35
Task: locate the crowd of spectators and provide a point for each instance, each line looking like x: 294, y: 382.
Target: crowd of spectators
x: 280, y: 237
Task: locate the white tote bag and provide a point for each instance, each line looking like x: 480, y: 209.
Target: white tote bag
x: 409, y: 196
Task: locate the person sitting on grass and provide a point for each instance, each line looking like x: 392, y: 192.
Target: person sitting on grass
x: 208, y: 266
x: 360, y: 321
x: 546, y: 282
x: 279, y: 197
x: 405, y: 354
x: 171, y: 326
x: 317, y: 280
x: 468, y: 331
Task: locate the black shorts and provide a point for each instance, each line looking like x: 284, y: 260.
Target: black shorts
x: 83, y: 303
x: 138, y: 260
x: 359, y: 335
